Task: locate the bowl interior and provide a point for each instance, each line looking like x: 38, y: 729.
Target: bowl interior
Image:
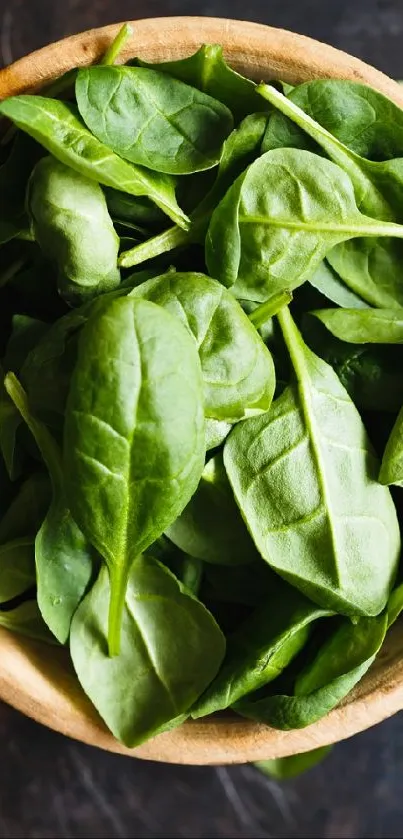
x: 39, y: 680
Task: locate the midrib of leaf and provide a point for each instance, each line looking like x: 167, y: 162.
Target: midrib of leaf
x: 120, y: 568
x: 293, y: 341
x: 372, y: 228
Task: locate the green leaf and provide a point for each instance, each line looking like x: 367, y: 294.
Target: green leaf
x: 26, y: 620
x: 284, y: 768
x: 372, y: 326
x: 280, y: 219
x: 57, y: 126
x: 238, y: 370
x: 331, y: 286
x: 305, y: 478
x: 360, y: 117
x: 370, y: 373
x: 228, y: 541
x: 71, y: 223
x: 340, y: 663
x: 261, y: 648
x: 151, y: 119
x: 134, y: 447
x: 27, y: 510
x: 171, y: 648
x: 208, y: 71
x: 378, y: 187
x: 391, y: 471
x: 135, y: 209
x: 17, y: 568
x: 64, y: 560
x: 216, y: 432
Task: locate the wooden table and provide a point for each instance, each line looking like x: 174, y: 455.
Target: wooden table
x: 53, y: 787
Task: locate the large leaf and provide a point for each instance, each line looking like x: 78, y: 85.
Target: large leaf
x: 261, y: 648
x: 57, y: 126
x: 71, y: 223
x: 152, y: 119
x: 305, y: 478
x: 134, y: 433
x: 237, y: 367
x: 280, y: 219
x: 340, y: 663
x: 372, y: 326
x: 171, y: 649
x: 392, y: 462
x: 371, y: 269
x: 63, y: 557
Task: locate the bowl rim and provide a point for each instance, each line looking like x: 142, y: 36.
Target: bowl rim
x: 46, y: 689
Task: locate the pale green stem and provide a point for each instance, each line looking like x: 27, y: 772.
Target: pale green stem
x: 118, y: 584
x: 113, y: 52
x: 270, y: 308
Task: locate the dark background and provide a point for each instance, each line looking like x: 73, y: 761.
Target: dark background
x: 53, y: 787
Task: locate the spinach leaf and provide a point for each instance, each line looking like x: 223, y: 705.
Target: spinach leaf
x: 392, y: 462
x: 378, y: 187
x: 362, y: 118
x: 284, y: 768
x: 239, y: 150
x: 305, y: 478
x: 228, y: 542
x: 280, y: 219
x: 17, y: 568
x: 375, y: 184
x: 72, y: 225
x: 10, y: 422
x: 26, y: 619
x: 331, y: 286
x: 64, y: 559
x: 152, y: 119
x: 372, y: 326
x: 395, y: 604
x: 371, y: 269
x: 208, y: 71
x: 216, y: 432
x: 171, y: 649
x: 14, y: 174
x: 372, y: 375
x: 134, y: 447
x: 27, y: 510
x: 238, y: 371
x: 340, y: 663
x: 261, y: 648
x: 57, y: 126
x: 135, y: 209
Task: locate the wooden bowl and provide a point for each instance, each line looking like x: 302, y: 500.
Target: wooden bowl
x: 39, y: 680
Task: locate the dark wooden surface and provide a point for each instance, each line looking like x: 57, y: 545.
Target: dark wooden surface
x: 53, y: 787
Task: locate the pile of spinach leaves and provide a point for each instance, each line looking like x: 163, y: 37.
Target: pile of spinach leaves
x: 196, y: 455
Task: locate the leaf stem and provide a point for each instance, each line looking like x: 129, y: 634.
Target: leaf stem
x: 112, y: 53
x: 118, y: 583
x: 270, y: 308
x: 167, y: 241
x: 44, y: 440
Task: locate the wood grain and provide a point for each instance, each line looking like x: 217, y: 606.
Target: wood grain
x: 39, y: 680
